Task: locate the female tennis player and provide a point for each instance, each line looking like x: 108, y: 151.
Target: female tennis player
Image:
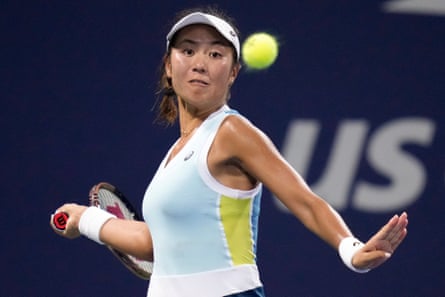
x: 201, y: 208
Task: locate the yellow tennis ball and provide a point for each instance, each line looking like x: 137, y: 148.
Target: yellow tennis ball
x: 259, y: 50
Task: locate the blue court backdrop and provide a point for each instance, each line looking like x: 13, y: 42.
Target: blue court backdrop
x: 355, y: 102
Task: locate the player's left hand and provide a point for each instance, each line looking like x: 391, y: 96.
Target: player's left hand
x: 382, y: 245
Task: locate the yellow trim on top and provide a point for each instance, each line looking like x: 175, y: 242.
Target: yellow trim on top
x: 236, y: 218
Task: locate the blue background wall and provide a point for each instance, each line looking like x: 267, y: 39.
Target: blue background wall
x: 77, y: 88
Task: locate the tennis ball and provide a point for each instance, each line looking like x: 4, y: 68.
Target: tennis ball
x: 259, y: 50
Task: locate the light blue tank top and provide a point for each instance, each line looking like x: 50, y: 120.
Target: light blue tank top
x: 197, y: 224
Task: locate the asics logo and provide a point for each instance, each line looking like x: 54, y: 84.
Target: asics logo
x: 189, y: 155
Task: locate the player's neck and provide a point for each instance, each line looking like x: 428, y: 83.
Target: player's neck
x: 191, y: 117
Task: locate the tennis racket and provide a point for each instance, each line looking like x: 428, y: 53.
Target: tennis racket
x: 109, y: 198
x: 59, y: 220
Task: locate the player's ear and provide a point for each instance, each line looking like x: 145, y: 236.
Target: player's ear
x: 167, y: 66
x: 234, y: 73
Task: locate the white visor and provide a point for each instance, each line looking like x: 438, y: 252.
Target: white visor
x: 220, y: 25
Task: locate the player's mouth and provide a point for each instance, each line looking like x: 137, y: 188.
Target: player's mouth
x: 198, y: 82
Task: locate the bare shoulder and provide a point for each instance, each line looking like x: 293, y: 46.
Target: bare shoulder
x: 238, y: 127
x: 239, y: 135
x: 240, y: 142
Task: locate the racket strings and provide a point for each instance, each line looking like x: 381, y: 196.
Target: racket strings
x: 110, y: 202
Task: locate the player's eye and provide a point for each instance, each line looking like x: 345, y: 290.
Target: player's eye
x: 215, y: 54
x: 188, y: 51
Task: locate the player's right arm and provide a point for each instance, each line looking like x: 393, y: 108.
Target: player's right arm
x: 130, y: 237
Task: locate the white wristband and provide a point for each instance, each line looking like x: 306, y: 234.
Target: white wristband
x: 92, y: 220
x: 347, y: 249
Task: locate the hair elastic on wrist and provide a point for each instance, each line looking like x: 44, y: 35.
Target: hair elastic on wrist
x: 91, y: 222
x: 347, y: 249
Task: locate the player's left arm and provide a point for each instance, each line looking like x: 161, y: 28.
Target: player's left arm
x: 260, y: 158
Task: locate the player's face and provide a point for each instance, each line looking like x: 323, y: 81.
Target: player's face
x: 201, y: 66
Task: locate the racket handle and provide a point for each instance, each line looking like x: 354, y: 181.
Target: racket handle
x: 59, y: 220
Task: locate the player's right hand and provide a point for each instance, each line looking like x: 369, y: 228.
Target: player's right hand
x: 74, y: 212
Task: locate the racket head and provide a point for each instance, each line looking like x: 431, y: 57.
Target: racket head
x: 107, y: 197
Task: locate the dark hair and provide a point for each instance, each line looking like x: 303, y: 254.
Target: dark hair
x: 166, y: 96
